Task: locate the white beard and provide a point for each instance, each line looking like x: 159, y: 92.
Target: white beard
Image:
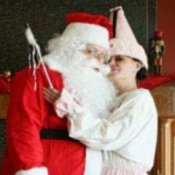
x: 90, y: 87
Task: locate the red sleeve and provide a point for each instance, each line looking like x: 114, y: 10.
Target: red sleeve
x: 25, y: 119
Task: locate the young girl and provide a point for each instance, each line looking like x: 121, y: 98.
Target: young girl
x: 127, y: 137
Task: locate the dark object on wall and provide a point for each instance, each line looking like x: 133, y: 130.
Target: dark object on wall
x: 48, y: 17
x: 5, y: 80
x: 156, y: 51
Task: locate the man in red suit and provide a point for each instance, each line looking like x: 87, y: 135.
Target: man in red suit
x: 37, y: 140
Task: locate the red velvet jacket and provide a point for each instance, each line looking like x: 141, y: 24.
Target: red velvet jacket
x: 28, y: 113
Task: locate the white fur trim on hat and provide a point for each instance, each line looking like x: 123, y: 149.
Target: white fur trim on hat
x: 88, y: 33
x: 120, y: 46
x: 33, y: 171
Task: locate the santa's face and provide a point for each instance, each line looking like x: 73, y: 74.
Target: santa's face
x: 97, y: 52
x: 87, y: 78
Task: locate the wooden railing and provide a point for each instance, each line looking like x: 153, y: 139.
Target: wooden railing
x: 164, y: 97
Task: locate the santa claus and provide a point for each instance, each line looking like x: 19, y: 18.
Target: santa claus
x: 37, y: 139
x: 84, y: 74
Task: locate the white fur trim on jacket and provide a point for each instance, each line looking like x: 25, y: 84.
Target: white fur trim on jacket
x: 33, y: 171
x: 93, y: 164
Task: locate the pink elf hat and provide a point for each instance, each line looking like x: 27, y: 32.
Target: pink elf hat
x: 125, y: 42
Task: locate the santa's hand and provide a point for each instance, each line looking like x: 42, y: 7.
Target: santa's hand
x: 51, y: 94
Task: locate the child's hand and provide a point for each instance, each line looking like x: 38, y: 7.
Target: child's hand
x: 51, y: 95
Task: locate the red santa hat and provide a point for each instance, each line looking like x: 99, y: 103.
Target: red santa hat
x: 89, y: 28
x: 125, y: 42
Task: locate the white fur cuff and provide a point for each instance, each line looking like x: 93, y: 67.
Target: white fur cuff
x: 33, y: 171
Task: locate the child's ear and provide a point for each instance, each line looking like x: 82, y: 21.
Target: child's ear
x: 138, y: 65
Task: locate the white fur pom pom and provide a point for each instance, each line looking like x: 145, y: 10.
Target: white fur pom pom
x: 30, y: 37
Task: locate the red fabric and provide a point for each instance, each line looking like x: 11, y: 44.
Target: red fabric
x: 90, y: 19
x: 28, y: 112
x: 155, y: 80
x: 4, y: 84
x: 158, y: 34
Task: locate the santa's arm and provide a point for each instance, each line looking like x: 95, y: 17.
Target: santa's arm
x: 24, y: 121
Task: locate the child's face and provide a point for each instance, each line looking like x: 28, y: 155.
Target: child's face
x: 123, y: 67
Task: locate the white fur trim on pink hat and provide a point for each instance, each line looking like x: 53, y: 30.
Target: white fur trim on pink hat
x: 33, y: 171
x: 88, y: 33
x: 125, y: 47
